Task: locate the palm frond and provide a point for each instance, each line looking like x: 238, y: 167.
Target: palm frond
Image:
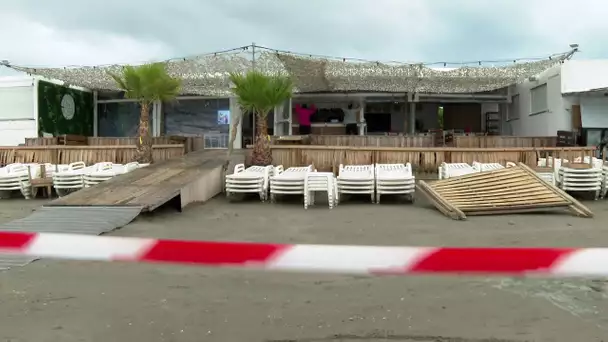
x: 148, y: 82
x: 260, y: 93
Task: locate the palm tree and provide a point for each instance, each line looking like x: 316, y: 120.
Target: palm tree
x: 147, y: 83
x: 258, y: 94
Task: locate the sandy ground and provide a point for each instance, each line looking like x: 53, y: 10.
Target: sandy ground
x: 83, y: 301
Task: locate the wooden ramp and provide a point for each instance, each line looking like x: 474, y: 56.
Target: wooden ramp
x: 512, y: 190
x: 195, y: 177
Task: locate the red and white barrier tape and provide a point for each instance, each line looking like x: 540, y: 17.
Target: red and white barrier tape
x: 314, y: 258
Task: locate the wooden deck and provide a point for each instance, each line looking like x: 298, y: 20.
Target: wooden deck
x: 195, y: 177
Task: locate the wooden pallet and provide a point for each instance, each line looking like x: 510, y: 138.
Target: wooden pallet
x: 512, y: 190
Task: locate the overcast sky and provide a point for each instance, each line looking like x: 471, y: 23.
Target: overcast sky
x: 79, y: 32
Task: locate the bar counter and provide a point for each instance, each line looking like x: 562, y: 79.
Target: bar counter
x: 324, y: 128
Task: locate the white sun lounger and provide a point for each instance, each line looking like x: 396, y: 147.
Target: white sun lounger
x: 356, y: 179
x: 15, y: 177
x: 483, y: 167
x: 106, y: 172
x: 582, y: 180
x: 395, y: 179
x: 449, y: 170
x: 254, y: 179
x: 72, y: 179
x: 288, y: 182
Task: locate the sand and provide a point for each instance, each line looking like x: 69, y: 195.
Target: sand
x: 90, y: 301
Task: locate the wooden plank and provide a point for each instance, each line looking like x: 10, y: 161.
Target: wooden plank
x: 574, y: 203
x: 576, y: 117
x: 151, y: 186
x: 507, y: 211
x: 504, y: 191
x: 481, y: 198
x: 450, y: 210
x: 519, y: 189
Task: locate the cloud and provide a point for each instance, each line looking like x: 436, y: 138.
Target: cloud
x: 117, y: 31
x: 38, y: 44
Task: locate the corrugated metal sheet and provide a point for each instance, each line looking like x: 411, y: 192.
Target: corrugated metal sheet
x: 68, y: 220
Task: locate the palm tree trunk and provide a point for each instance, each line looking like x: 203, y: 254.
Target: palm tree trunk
x: 262, y: 155
x: 234, y: 126
x: 144, y: 143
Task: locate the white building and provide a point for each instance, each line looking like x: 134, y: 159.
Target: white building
x: 25, y: 110
x: 18, y: 117
x: 394, y: 98
x: 554, y: 100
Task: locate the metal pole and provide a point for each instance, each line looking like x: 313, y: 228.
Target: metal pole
x: 95, y: 113
x: 253, y: 51
x: 412, y: 118
x: 574, y: 50
x: 253, y: 114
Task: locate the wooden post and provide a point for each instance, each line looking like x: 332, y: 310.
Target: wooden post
x: 412, y: 119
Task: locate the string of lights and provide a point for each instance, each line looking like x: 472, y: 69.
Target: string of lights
x: 216, y: 53
x: 251, y: 49
x: 480, y: 62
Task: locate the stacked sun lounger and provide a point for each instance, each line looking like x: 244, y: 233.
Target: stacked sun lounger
x: 254, y: 179
x: 17, y: 177
x: 288, y: 182
x: 356, y: 180
x: 394, y: 179
x: 449, y: 170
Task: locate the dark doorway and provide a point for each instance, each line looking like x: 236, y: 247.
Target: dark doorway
x: 378, y: 122
x: 462, y: 116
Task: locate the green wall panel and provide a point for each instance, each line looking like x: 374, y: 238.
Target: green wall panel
x: 50, y: 115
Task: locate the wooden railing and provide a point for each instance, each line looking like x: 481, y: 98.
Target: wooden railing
x: 373, y: 140
x: 57, y: 154
x: 328, y: 158
x: 190, y: 143
x: 498, y: 141
x: 428, y: 141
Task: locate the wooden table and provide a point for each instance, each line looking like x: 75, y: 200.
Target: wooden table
x: 44, y: 183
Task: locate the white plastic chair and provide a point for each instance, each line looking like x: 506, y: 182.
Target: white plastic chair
x: 395, y: 179
x: 320, y: 182
x: 254, y: 179
x: 288, y: 182
x: 356, y: 179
